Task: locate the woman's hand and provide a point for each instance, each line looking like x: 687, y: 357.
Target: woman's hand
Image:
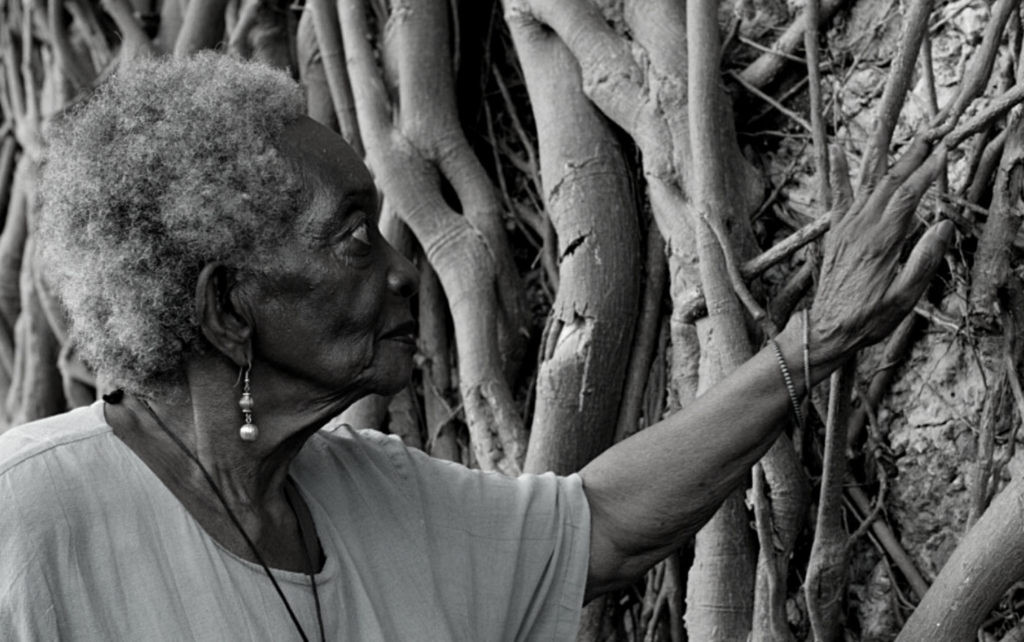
x: 862, y: 294
x: 707, y: 449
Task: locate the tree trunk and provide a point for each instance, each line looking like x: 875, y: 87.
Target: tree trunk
x: 988, y: 561
x: 589, y: 197
x: 409, y: 159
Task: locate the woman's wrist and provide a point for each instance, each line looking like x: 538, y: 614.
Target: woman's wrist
x: 809, y: 354
x: 789, y: 381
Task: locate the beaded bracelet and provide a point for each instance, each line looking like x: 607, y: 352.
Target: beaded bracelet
x: 789, y: 382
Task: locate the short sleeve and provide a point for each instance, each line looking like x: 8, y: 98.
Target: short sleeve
x: 511, y: 555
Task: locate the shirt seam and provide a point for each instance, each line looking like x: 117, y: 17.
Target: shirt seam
x: 38, y: 451
x: 569, y: 615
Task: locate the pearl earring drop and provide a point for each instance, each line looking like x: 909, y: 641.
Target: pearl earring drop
x: 248, y: 431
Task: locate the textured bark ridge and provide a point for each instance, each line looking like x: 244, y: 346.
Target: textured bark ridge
x: 588, y: 195
x: 411, y: 157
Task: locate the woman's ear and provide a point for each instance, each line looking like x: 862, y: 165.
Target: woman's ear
x: 223, y: 325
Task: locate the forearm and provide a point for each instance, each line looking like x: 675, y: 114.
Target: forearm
x: 648, y: 492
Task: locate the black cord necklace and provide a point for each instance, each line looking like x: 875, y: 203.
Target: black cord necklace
x: 116, y: 398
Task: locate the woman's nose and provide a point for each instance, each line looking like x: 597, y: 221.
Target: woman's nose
x: 403, y: 277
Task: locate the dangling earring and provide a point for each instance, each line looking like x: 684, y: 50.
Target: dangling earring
x: 248, y: 431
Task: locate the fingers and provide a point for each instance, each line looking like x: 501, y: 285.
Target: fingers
x: 899, y: 173
x: 925, y: 258
x: 904, y: 202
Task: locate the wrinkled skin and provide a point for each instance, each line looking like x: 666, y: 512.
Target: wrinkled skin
x: 334, y: 322
x: 329, y: 323
x: 863, y: 295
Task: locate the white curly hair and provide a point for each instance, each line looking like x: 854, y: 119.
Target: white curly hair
x: 171, y: 164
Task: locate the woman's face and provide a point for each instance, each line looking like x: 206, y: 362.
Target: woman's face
x: 335, y: 322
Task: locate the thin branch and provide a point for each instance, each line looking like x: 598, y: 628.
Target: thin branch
x: 768, y: 50
x: 896, y: 348
x: 915, y: 24
x: 692, y: 305
x: 8, y: 147
x: 981, y: 470
x: 15, y: 90
x: 735, y: 277
x: 780, y: 185
x: 812, y: 18
x: 763, y: 70
x: 372, y: 105
x: 238, y: 39
x: 85, y: 17
x: 1013, y: 383
x: 995, y: 109
x: 770, y: 593
x: 70, y: 62
x: 992, y: 259
x: 928, y: 71
x: 135, y: 42
x: 795, y: 117
x: 826, y: 568
x: 28, y: 70
x: 981, y: 175
x: 202, y: 28
x: 646, y: 336
x: 583, y: 29
x: 332, y: 53
x: 524, y: 139
x: 792, y: 291
x: 890, y: 543
x: 876, y: 509
x: 785, y: 248
x: 1018, y: 396
x: 982, y: 60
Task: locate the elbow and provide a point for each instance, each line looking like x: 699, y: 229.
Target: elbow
x: 621, y: 553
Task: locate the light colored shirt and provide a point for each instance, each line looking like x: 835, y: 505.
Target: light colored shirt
x: 94, y: 547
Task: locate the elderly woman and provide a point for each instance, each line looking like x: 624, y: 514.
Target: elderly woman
x: 218, y: 256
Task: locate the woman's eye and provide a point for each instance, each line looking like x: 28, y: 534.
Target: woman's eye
x: 358, y: 242
x: 362, y: 233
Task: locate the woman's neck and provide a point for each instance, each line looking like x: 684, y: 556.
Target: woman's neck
x: 180, y: 439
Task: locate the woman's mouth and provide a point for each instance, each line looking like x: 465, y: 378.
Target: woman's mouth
x: 403, y: 333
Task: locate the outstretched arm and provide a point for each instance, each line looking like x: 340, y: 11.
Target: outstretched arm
x: 703, y: 453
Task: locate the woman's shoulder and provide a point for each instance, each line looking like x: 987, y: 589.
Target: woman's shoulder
x: 38, y: 441
x: 366, y: 461
x: 349, y: 447
x: 57, y: 469
x: 338, y: 437
x: 363, y: 454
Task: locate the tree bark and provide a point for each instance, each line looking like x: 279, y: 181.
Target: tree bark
x: 989, y: 559
x: 588, y: 195
x: 409, y: 158
x: 992, y: 262
x: 825, y: 586
x: 324, y: 16
x: 319, y: 104
x: 720, y: 589
x: 202, y: 27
